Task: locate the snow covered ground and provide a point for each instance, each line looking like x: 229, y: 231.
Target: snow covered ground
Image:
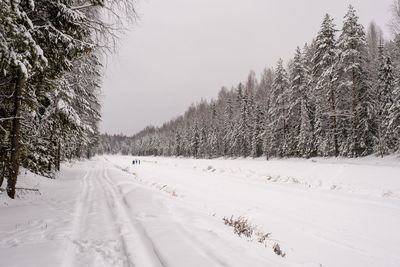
x: 169, y: 211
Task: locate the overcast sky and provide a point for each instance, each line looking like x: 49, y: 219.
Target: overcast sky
x: 185, y: 50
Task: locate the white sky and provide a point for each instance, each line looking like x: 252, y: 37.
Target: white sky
x: 185, y: 50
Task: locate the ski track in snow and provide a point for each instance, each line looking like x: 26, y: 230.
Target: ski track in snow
x: 168, y: 212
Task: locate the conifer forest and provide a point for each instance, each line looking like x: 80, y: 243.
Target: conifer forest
x: 338, y: 96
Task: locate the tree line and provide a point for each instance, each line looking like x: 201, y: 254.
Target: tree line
x: 50, y: 75
x: 338, y: 96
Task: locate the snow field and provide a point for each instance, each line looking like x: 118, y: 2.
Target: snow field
x: 335, y: 212
x: 168, y: 212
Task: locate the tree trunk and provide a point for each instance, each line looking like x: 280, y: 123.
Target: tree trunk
x: 58, y: 155
x: 15, y: 136
x: 51, y: 144
x: 2, y: 164
x: 333, y: 107
x: 380, y: 135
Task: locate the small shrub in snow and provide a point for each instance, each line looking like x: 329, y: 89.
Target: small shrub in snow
x: 273, y: 179
x: 278, y: 251
x: 241, y: 226
x: 262, y: 238
x: 295, y: 181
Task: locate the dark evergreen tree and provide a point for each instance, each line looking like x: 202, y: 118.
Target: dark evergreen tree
x: 257, y: 137
x: 325, y: 94
x: 278, y: 113
x: 354, y: 103
x: 386, y: 86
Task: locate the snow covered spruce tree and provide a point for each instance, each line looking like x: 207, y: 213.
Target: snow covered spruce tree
x: 277, y: 141
x: 228, y: 127
x: 257, y: 131
x: 354, y: 107
x: 393, y: 49
x: 300, y: 116
x: 240, y: 145
x: 325, y: 93
x: 19, y: 55
x: 214, y: 136
x: 385, y: 89
x: 265, y: 89
x: 394, y: 119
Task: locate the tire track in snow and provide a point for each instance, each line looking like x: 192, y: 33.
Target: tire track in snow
x: 138, y: 245
x: 83, y: 198
x: 87, y: 248
x: 128, y: 261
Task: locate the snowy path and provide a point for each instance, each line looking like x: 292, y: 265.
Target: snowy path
x: 122, y: 223
x: 168, y: 212
x: 96, y: 226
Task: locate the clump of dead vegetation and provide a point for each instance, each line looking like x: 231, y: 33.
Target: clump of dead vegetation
x: 242, y: 227
x: 278, y: 251
x: 166, y: 189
